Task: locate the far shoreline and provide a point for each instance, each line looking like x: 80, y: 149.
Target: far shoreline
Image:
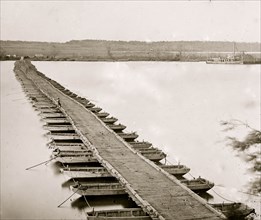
x: 125, y: 51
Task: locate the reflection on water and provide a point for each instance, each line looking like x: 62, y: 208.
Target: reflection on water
x: 34, y: 193
x: 208, y: 197
x: 68, y: 183
x: 56, y: 166
x: 176, y: 106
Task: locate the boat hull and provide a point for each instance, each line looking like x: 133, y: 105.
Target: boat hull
x: 140, y: 145
x: 119, y: 218
x: 71, y: 148
x: 154, y: 156
x: 85, y: 174
x: 64, y: 136
x: 118, y: 214
x: 128, y: 137
x: 178, y: 170
x: 50, y: 110
x: 99, y: 190
x: 55, y: 144
x: 102, y: 114
x: 95, y: 109
x: 58, y: 128
x: 56, y: 120
x: 40, y: 107
x: 52, y: 115
x: 198, y: 185
x: 117, y: 127
x: 109, y: 120
x: 89, y: 105
x: 234, y: 210
x: 76, y: 160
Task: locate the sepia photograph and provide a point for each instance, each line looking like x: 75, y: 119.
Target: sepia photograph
x: 130, y: 109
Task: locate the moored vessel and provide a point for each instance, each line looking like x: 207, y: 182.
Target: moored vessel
x: 234, y: 210
x: 85, y: 172
x: 118, y: 214
x: 98, y: 189
x: 198, y: 185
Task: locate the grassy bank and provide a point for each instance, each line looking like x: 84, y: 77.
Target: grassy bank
x: 97, y: 50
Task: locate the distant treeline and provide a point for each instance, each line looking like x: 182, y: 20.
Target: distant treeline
x: 101, y: 50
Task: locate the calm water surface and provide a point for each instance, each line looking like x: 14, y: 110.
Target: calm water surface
x: 176, y: 106
x: 36, y: 193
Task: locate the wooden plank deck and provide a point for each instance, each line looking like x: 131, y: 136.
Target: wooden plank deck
x: 152, y: 187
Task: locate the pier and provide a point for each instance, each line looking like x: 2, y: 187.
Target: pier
x: 157, y: 192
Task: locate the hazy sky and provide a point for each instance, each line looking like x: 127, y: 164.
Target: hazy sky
x: 131, y: 20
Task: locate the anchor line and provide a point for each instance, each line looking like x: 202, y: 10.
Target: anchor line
x: 212, y: 189
x: 68, y: 198
x: 222, y: 196
x: 45, y: 162
x: 191, y: 175
x: 86, y: 201
x: 178, y: 162
x: 216, y: 192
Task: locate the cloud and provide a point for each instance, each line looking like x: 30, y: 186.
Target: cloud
x: 132, y: 20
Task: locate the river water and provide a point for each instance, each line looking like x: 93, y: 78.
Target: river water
x: 176, y: 106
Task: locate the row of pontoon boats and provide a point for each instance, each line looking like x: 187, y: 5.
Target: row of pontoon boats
x: 80, y: 164
x: 89, y: 172
x: 235, y: 211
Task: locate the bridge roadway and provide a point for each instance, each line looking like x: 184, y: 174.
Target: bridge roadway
x: 148, y: 184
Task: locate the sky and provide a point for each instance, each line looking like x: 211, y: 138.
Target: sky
x: 61, y: 21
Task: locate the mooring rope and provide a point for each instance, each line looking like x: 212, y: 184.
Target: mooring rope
x: 212, y: 189
x: 86, y: 201
x: 169, y: 161
x: 68, y: 198
x: 191, y: 175
x: 76, y: 182
x: 45, y: 162
x: 222, y: 196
